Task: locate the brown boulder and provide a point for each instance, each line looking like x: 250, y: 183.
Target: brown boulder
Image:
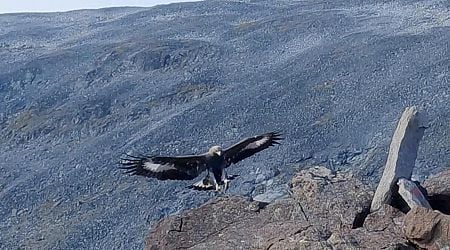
x: 428, y: 228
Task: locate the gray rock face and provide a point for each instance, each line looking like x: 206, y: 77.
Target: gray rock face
x: 411, y: 194
x: 79, y: 89
x: 270, y: 196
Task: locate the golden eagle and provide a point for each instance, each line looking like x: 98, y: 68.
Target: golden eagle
x: 188, y: 167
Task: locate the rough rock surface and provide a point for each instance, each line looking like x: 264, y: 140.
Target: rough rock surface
x: 381, y: 229
x: 320, y: 214
x: 329, y: 198
x: 430, y: 229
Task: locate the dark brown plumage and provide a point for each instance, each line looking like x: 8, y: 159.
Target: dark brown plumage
x: 189, y: 167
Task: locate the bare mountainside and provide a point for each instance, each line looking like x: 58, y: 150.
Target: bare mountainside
x: 78, y: 89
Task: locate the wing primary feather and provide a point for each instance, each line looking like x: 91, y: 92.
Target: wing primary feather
x: 251, y: 146
x: 132, y: 156
x: 163, y: 167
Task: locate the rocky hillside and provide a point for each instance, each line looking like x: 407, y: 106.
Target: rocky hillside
x: 79, y: 89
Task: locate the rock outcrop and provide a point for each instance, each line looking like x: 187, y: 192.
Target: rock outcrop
x: 325, y: 210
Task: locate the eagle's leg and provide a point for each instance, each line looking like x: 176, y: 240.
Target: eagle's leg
x: 225, y: 185
x: 217, y: 186
x: 215, y: 182
x: 225, y: 180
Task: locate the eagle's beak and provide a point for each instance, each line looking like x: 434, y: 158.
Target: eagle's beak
x: 219, y: 153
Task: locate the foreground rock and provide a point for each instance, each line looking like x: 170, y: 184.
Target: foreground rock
x: 381, y: 229
x: 427, y: 228
x: 326, y: 210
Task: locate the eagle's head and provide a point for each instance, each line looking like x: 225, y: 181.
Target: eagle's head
x: 215, y: 150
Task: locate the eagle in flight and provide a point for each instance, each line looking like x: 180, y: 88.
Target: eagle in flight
x: 188, y: 167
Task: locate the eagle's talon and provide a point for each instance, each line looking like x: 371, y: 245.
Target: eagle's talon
x: 231, y: 177
x: 225, y: 185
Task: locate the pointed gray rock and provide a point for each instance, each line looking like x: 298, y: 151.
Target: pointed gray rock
x: 402, y: 154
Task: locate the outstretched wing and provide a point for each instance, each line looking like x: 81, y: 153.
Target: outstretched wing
x: 250, y: 146
x: 165, y: 167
